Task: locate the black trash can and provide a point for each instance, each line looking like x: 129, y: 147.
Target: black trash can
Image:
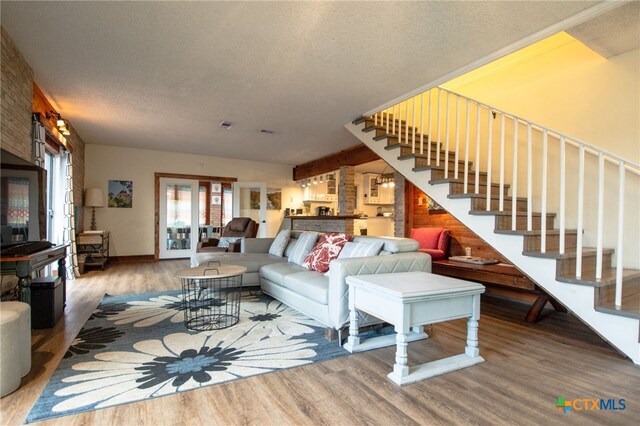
x: 47, y: 305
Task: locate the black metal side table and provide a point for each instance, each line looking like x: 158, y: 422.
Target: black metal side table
x: 211, y: 296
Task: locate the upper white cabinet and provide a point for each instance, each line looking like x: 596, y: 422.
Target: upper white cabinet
x: 323, y: 188
x: 376, y: 194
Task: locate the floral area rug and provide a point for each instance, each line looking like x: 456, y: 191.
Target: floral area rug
x: 136, y: 347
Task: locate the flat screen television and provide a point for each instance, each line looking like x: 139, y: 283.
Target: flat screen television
x: 22, y: 200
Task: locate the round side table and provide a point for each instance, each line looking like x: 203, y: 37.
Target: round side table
x: 211, y: 296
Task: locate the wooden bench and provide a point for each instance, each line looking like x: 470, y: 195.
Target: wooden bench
x: 501, y: 275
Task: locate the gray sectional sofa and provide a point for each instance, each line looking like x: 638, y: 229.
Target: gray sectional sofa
x: 322, y: 296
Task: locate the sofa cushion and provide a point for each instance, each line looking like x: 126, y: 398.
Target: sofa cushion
x: 252, y: 261
x: 280, y: 243
x: 326, y: 249
x: 276, y: 272
x: 225, y: 241
x: 351, y: 249
x: 305, y: 243
x: 390, y: 244
x: 310, y: 284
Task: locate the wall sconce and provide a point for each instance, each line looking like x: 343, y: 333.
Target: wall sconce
x: 61, y: 123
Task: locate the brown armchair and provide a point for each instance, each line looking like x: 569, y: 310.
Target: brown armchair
x: 238, y: 227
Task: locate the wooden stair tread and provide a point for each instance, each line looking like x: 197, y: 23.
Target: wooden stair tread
x: 508, y: 213
x: 535, y: 232
x: 608, y: 277
x: 415, y: 155
x: 435, y: 167
x: 461, y: 180
x: 484, y: 196
x: 624, y: 311
x: 555, y: 254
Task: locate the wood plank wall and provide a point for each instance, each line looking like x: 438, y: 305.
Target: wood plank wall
x: 461, y: 236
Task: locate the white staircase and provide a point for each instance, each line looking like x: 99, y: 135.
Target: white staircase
x: 552, y: 175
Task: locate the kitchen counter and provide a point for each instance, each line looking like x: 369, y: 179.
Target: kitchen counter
x: 320, y: 223
x: 302, y: 217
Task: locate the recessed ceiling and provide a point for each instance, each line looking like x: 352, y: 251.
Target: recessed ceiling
x: 163, y: 75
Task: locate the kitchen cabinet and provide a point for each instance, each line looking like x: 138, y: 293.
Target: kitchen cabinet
x: 376, y: 194
x: 325, y: 190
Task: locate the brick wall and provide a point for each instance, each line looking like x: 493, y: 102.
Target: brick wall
x: 399, y: 220
x: 17, y: 84
x: 323, y: 225
x: 347, y: 191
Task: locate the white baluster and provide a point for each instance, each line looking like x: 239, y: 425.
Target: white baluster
x: 580, y: 211
x: 446, y: 137
x: 600, y: 216
x: 422, y: 123
x: 413, y: 126
x: 406, y: 122
x: 430, y: 134
x: 438, y: 137
x: 393, y: 125
x: 514, y: 187
x: 543, y: 224
x: 466, y: 150
x: 455, y: 166
x: 530, y: 183
x: 477, y: 184
x: 562, y: 194
x: 388, y: 120
x: 489, y: 155
x: 501, y: 195
x: 399, y: 123
x: 619, y: 265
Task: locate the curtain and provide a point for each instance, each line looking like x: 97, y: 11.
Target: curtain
x: 69, y: 233
x: 39, y: 135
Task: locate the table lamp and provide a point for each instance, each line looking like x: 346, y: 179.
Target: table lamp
x: 93, y: 197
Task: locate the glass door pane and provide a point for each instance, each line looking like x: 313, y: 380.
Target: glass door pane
x: 250, y: 200
x: 179, y: 214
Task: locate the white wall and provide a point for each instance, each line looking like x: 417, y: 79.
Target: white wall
x: 571, y: 89
x: 132, y: 230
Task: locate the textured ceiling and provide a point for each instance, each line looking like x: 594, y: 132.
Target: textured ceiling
x: 612, y: 33
x: 162, y: 75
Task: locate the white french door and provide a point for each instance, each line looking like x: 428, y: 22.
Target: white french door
x: 250, y: 200
x: 178, y: 218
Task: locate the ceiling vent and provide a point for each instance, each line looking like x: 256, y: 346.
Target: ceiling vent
x: 225, y: 125
x: 267, y: 131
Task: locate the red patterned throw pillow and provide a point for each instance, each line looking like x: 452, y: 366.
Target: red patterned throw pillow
x: 326, y: 249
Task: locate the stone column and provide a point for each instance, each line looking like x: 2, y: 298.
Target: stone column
x: 398, y: 205
x: 347, y: 191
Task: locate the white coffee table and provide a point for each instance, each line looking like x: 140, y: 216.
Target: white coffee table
x: 408, y: 300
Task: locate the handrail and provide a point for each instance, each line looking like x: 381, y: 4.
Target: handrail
x: 552, y: 131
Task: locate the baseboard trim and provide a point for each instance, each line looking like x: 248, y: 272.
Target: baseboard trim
x: 135, y: 258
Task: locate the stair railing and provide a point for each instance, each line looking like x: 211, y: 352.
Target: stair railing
x: 408, y: 119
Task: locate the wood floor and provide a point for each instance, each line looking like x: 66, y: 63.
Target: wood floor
x: 527, y: 367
